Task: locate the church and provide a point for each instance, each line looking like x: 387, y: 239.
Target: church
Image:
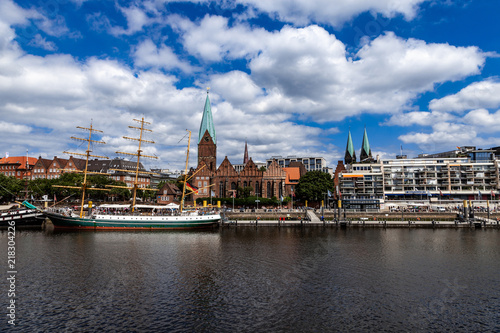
x: 224, y: 180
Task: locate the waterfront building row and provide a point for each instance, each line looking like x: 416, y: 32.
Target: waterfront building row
x: 421, y: 178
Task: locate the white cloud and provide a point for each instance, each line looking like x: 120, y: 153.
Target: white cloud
x: 483, y: 120
x: 311, y: 74
x: 444, y: 135
x: 303, y: 12
x: 147, y: 54
x: 39, y: 41
x: 420, y: 118
x: 484, y: 94
x: 136, y: 20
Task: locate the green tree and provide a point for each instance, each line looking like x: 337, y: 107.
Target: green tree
x: 10, y: 188
x: 244, y: 192
x: 314, y: 185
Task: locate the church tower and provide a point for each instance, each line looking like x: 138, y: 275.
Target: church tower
x: 207, y: 141
x: 245, y: 156
x: 366, y: 152
x: 350, y: 153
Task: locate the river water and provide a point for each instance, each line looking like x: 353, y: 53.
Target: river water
x: 256, y: 280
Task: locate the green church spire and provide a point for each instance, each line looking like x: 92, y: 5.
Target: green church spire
x: 366, y: 152
x: 207, y: 122
x: 350, y: 153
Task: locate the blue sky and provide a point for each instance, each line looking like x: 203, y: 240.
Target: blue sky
x: 289, y: 76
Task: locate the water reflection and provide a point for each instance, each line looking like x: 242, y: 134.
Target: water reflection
x: 264, y: 279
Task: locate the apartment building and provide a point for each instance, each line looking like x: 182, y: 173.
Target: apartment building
x: 311, y: 163
x: 475, y: 176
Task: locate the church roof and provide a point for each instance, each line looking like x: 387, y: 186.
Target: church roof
x: 207, y: 122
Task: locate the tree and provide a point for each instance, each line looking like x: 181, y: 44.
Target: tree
x: 10, y: 188
x: 314, y: 185
x: 244, y: 192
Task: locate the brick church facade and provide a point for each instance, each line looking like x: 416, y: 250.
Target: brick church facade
x: 225, y: 180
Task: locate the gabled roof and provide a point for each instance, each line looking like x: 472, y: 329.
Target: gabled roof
x: 226, y: 169
x: 79, y: 162
x: 250, y: 169
x: 207, y: 122
x: 60, y: 161
x: 44, y: 162
x: 171, y: 188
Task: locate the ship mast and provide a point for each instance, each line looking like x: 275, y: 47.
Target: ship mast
x: 87, y: 154
x: 185, y: 173
x: 186, y: 178
x: 139, y: 154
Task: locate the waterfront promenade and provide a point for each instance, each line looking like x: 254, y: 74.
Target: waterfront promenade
x: 310, y: 218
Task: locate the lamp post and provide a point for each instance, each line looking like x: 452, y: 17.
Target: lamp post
x: 234, y: 194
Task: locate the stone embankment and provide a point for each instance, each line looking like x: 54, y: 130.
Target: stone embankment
x: 349, y: 219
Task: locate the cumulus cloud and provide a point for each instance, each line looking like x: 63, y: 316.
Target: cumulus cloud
x: 482, y: 119
x: 302, y: 12
x: 443, y: 135
x: 147, y: 54
x: 483, y: 94
x: 421, y: 118
x: 136, y: 19
x: 311, y: 73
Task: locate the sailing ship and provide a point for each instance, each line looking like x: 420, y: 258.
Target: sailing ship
x: 131, y: 218
x: 21, y: 215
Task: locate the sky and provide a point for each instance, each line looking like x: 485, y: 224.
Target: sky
x: 289, y: 77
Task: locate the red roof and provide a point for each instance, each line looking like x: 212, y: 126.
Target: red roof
x: 292, y: 175
x: 21, y: 160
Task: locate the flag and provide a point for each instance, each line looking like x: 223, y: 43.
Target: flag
x: 281, y: 198
x: 440, y: 193
x: 329, y: 194
x: 192, y: 188
x: 212, y: 193
x: 55, y: 199
x: 492, y: 193
x: 480, y: 195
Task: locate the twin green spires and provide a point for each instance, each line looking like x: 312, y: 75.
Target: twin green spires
x: 207, y: 122
x: 350, y: 153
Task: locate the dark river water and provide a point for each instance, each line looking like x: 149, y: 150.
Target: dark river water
x: 256, y: 280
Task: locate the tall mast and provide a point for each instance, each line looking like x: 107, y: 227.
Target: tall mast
x: 87, y: 154
x: 138, y: 155
x: 185, y: 172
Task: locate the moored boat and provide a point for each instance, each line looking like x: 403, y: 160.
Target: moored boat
x: 129, y: 219
x: 24, y: 215
x: 103, y: 222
